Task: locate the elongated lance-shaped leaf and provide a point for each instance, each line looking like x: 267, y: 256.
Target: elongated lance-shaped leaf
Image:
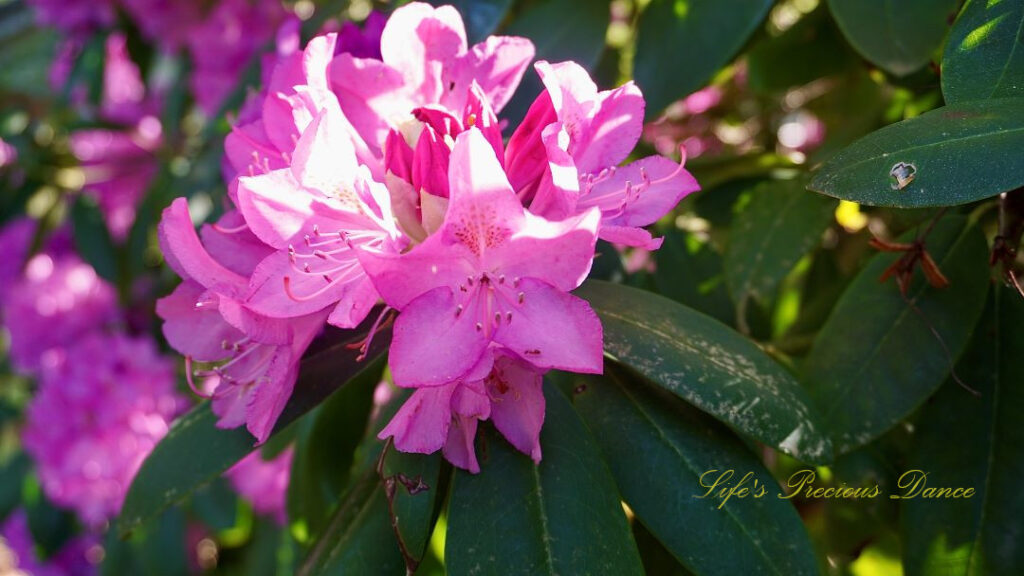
x: 195, y: 451
x: 671, y: 462
x: 701, y: 37
x: 983, y: 56
x: 780, y: 224
x: 952, y: 155
x: 978, y: 443
x: 897, y: 35
x: 562, y: 516
x: 879, y: 356
x: 710, y: 366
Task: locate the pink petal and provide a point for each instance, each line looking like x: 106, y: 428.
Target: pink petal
x: 233, y: 244
x: 458, y: 447
x: 658, y: 184
x: 194, y: 331
x: 268, y: 295
x: 559, y: 188
x: 355, y: 305
x: 402, y: 278
x: 517, y: 409
x: 324, y: 158
x: 432, y: 344
x: 430, y: 164
x: 526, y: 158
x: 419, y: 41
x: 559, y: 253
x: 497, y: 64
x: 483, y: 211
x: 613, y: 132
x: 471, y: 400
x: 270, y: 395
x: 553, y: 329
x: 421, y: 424
x: 188, y: 257
x: 630, y: 236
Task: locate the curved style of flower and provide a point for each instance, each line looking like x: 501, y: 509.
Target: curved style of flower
x: 359, y: 177
x: 102, y: 406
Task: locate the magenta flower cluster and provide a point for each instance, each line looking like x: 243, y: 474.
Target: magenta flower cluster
x: 104, y: 398
x: 358, y: 177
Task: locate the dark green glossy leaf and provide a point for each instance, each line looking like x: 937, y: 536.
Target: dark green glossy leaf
x: 810, y: 49
x: 957, y: 154
x: 978, y: 443
x: 710, y: 366
x: 781, y: 223
x: 326, y: 446
x: 876, y: 359
x: 897, y: 35
x: 159, y: 545
x: 195, y: 451
x: 689, y: 271
x: 411, y: 485
x: 359, y: 538
x: 560, y: 30
x: 671, y: 481
x: 983, y: 56
x: 562, y: 516
x: 482, y: 17
x: 701, y: 37
x: 92, y: 238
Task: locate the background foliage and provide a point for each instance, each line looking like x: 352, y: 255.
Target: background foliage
x: 759, y: 338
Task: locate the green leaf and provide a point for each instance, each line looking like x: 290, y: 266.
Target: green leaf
x: 324, y: 453
x: 13, y: 471
x: 781, y: 223
x: 957, y: 154
x: 710, y: 366
x: 688, y: 452
x: 896, y: 35
x: 482, y: 17
x: 811, y: 49
x: 876, y: 359
x: 562, y: 516
x: 701, y: 37
x: 983, y: 58
x: 358, y: 539
x: 50, y: 526
x: 560, y: 30
x: 690, y: 272
x: 969, y: 442
x: 195, y: 451
x: 92, y: 239
x: 411, y: 485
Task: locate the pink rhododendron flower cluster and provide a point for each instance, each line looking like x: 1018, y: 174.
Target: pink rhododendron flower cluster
x: 54, y: 300
x: 102, y: 406
x: 264, y: 483
x: 78, y: 557
x: 104, y: 399
x: 365, y: 178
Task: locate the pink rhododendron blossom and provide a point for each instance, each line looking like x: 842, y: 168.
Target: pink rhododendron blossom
x: 8, y: 154
x: 361, y: 174
x: 77, y: 557
x: 264, y: 483
x: 445, y: 417
x: 205, y: 319
x: 57, y: 299
x: 103, y: 404
x: 564, y: 157
x: 492, y: 272
x: 325, y: 204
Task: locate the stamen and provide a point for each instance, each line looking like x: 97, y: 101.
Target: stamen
x: 521, y: 297
x: 240, y: 228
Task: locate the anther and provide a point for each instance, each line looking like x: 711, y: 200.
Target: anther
x: 508, y: 317
x: 497, y: 317
x: 479, y: 327
x: 501, y: 279
x: 521, y: 297
x: 458, y: 310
